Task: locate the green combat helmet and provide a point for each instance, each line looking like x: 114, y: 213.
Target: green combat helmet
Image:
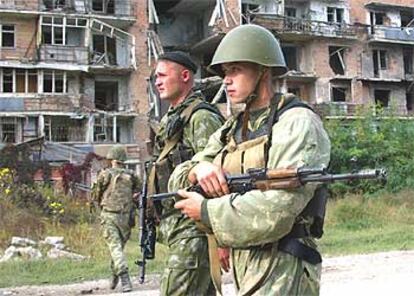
x: 249, y: 43
x: 117, y: 153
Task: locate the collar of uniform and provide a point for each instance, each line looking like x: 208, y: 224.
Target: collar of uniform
x: 258, y: 117
x: 180, y: 107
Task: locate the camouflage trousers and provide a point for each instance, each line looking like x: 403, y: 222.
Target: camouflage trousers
x: 187, y: 270
x: 116, y: 232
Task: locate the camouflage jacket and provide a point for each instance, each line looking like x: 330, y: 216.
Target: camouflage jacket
x: 114, y: 189
x: 246, y: 222
x: 196, y: 133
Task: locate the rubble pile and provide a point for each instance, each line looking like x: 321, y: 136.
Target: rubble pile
x: 51, y: 247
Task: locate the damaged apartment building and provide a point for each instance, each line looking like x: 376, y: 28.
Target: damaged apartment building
x: 78, y: 72
x: 66, y: 67
x: 341, y: 54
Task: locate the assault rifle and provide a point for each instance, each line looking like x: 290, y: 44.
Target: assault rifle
x: 147, y: 231
x: 268, y: 179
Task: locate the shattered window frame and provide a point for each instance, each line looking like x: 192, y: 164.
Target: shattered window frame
x: 291, y: 12
x: 380, y: 60
x: 7, y: 80
x: 337, y: 59
x: 8, y: 127
x: 339, y: 89
x: 10, y: 31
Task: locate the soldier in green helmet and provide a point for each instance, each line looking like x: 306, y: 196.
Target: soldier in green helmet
x: 115, y: 189
x: 272, y: 238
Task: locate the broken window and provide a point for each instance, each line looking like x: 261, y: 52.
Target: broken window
x: 294, y: 90
x: 104, y: 50
x: 103, y: 130
x: 106, y: 95
x: 247, y: 9
x: 382, y: 98
x: 7, y: 78
x: 8, y: 129
x: 103, y: 6
x: 7, y: 35
x: 339, y: 94
x: 64, y: 129
x: 336, y: 59
x: 378, y: 18
x: 290, y: 54
x: 407, y: 18
x: 408, y: 54
x: 54, y: 4
x: 290, y: 11
x: 380, y: 61
x: 54, y: 81
x: 335, y: 15
x: 409, y: 98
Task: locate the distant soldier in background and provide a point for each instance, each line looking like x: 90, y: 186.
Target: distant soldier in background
x: 114, y: 191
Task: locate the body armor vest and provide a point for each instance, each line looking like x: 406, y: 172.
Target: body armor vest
x: 118, y: 195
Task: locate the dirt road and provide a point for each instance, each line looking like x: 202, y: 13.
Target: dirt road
x: 390, y: 273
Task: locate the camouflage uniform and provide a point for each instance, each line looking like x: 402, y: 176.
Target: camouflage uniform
x: 114, y: 189
x: 187, y: 270
x: 253, y: 223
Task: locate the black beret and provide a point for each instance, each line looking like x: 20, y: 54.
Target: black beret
x: 181, y: 58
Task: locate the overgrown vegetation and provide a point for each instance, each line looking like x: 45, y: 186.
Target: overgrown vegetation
x: 370, y: 142
x: 361, y: 216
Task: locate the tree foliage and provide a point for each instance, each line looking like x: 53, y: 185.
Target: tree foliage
x: 373, y: 142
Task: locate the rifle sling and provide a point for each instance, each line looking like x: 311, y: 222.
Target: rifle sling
x: 297, y: 249
x: 215, y: 269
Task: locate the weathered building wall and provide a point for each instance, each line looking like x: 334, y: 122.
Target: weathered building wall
x: 138, y: 78
x: 394, y: 61
x: 359, y: 14
x: 25, y: 39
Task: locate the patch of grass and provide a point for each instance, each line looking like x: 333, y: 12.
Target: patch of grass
x: 357, y: 224
x: 354, y: 224
x: 45, y: 271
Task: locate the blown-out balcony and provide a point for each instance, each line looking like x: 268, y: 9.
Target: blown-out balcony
x: 401, y: 35
x: 118, y: 8
x: 66, y: 54
x: 303, y: 29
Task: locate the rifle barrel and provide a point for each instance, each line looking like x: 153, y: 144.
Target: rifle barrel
x: 364, y: 174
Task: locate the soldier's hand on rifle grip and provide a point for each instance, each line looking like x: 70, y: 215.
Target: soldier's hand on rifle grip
x: 210, y: 177
x: 190, y: 205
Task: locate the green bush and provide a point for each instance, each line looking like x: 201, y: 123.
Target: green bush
x: 374, y: 142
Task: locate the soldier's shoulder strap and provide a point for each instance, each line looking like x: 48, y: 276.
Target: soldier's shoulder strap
x: 186, y: 115
x: 281, y: 103
x: 114, y: 176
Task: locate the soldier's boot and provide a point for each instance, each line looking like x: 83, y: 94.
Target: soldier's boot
x: 125, y: 282
x: 113, y: 281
